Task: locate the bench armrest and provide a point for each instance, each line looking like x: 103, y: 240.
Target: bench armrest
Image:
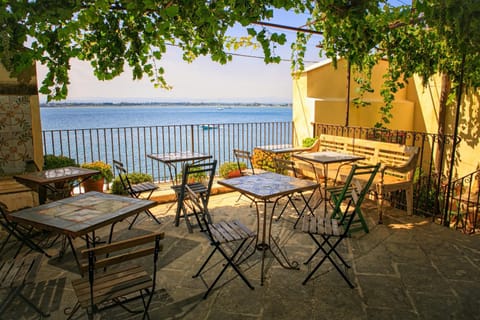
x: 405, y: 168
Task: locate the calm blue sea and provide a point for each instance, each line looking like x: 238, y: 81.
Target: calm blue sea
x: 85, y: 116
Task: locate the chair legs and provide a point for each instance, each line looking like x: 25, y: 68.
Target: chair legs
x: 327, y: 255
x: 230, y: 262
x: 17, y: 292
x: 149, y: 213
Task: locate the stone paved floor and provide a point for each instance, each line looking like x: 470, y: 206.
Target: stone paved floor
x: 407, y: 268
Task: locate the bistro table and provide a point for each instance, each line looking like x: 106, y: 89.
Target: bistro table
x: 266, y: 188
x: 171, y: 159
x: 53, y: 179
x: 325, y: 158
x: 81, y: 215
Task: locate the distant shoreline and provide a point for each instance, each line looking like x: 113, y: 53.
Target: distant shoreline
x: 166, y: 104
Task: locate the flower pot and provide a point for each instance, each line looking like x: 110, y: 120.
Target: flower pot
x: 93, y: 185
x: 234, y: 174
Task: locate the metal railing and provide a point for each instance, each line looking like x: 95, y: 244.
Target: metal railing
x: 132, y: 144
x: 431, y: 173
x: 464, y: 203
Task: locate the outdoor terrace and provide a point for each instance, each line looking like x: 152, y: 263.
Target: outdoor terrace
x: 407, y: 268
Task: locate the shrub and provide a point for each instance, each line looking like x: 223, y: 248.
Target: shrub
x: 134, y: 177
x: 264, y: 160
x: 51, y: 161
x: 104, y: 168
x: 308, y: 142
x: 193, y: 177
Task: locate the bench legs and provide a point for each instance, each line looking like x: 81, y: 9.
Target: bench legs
x: 381, y: 194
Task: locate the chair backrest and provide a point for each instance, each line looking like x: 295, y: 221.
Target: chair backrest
x: 243, y: 156
x: 123, y: 175
x: 199, y: 173
x: 356, y: 187
x: 12, y: 230
x: 285, y: 166
x: 117, y: 253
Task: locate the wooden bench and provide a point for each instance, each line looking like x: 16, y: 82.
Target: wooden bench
x: 398, y: 163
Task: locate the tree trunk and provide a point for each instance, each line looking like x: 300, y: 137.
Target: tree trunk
x: 442, y: 115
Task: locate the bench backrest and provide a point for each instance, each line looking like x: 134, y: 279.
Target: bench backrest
x: 400, y: 160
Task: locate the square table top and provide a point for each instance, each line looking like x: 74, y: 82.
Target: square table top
x: 280, y: 148
x: 268, y: 185
x: 56, y: 175
x: 79, y: 215
x: 179, y: 156
x: 326, y: 157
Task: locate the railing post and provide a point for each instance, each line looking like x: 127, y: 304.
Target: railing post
x: 192, y: 138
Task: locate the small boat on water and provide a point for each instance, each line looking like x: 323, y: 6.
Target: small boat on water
x: 208, y: 127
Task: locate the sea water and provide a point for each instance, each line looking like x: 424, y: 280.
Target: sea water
x: 119, y: 116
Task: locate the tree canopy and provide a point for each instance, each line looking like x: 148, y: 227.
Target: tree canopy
x: 425, y: 38
x: 112, y: 34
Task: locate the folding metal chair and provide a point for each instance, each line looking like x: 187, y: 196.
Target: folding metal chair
x: 332, y: 230
x: 20, y: 233
x: 231, y: 239
x: 284, y: 166
x: 245, y: 157
x: 199, y: 178
x: 15, y: 274
x: 135, y: 190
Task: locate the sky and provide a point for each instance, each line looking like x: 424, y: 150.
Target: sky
x: 243, y: 79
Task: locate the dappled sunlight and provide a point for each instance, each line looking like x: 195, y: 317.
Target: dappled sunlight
x: 409, y: 225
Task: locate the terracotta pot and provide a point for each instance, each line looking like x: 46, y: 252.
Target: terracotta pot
x: 93, y: 185
x: 234, y: 174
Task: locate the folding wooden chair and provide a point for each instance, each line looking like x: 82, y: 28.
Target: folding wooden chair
x: 122, y: 282
x: 284, y: 166
x: 199, y: 178
x: 15, y: 274
x: 231, y: 239
x: 136, y: 190
x: 332, y: 230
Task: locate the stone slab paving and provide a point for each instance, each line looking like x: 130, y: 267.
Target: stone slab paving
x: 407, y: 268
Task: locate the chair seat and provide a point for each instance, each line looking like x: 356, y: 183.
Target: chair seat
x: 112, y: 285
x: 321, y: 225
x: 228, y: 231
x: 196, y: 187
x: 144, y: 187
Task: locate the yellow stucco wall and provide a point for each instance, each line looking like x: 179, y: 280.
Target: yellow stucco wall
x: 320, y: 95
x: 427, y: 99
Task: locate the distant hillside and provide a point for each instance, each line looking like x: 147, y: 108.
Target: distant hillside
x: 170, y: 104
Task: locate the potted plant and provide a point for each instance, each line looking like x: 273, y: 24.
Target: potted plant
x: 230, y: 169
x: 97, y: 181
